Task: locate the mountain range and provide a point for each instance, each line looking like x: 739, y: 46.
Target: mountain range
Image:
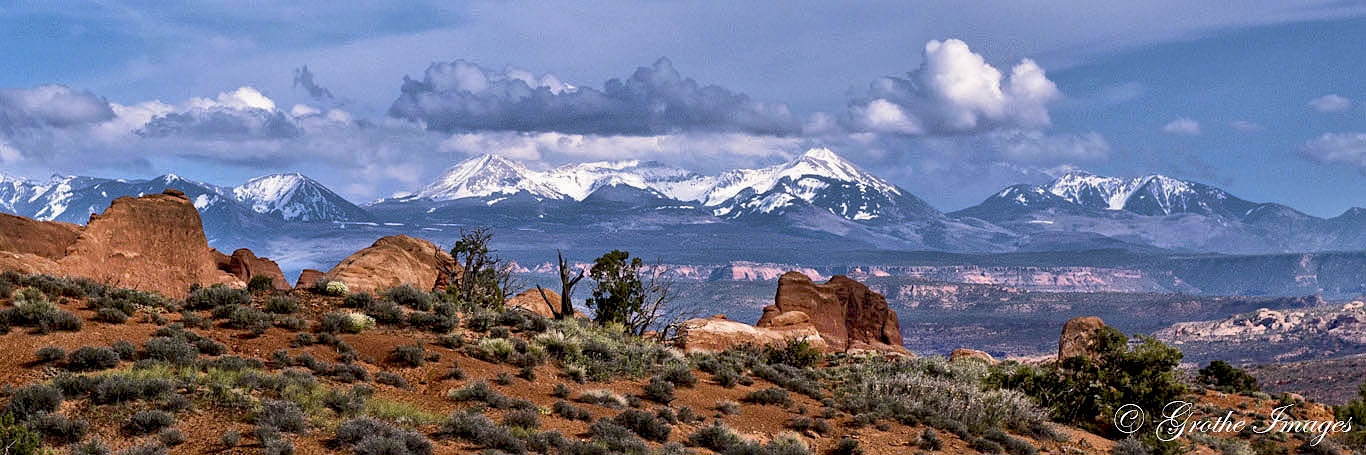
x: 816, y: 195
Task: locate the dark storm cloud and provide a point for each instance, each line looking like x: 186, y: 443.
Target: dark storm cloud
x: 462, y: 96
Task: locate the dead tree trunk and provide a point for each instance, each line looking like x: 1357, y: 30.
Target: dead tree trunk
x: 566, y: 304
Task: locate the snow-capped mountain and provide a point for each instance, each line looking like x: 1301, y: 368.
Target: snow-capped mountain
x: 817, y: 178
x: 261, y: 203
x: 1165, y: 212
x: 295, y: 197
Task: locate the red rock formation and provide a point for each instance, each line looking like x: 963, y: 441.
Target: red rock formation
x: 48, y: 239
x: 845, y: 312
x: 1076, y: 336
x: 971, y: 354
x: 245, y: 265
x: 395, y: 260
x: 155, y: 242
x: 718, y: 333
x: 307, y: 278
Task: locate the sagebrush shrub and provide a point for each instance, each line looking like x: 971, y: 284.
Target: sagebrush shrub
x: 368, y: 436
x: 523, y: 418
x: 261, y: 283
x: 602, y: 397
x: 283, y: 415
x: 616, y: 438
x: 30, y: 400
x: 409, y: 296
x: 91, y: 358
x: 282, y: 305
x: 771, y: 395
x: 149, y: 421
x: 717, y: 437
x: 111, y: 315
x: 216, y: 296
x: 571, y: 412
x: 58, y: 427
x: 644, y: 424
x: 410, y: 355
x: 659, y: 390
x: 478, y: 429
x: 175, y: 351
x: 49, y: 354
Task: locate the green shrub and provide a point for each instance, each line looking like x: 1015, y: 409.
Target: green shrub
x: 335, y: 288
x: 16, y: 439
x: 797, y: 352
x: 527, y: 419
x: 929, y: 440
x: 727, y: 407
x: 335, y: 322
x: 175, y: 351
x: 602, y: 397
x: 284, y: 415
x: 481, y: 391
x: 387, y: 378
x: 479, y: 430
x: 32, y: 309
x: 261, y: 283
x: 1085, y: 392
x: 717, y: 437
x: 171, y: 437
x: 247, y: 318
x: 1227, y: 378
x: 771, y: 395
x: 368, y: 436
x: 59, y: 428
x: 385, y: 312
x: 95, y: 446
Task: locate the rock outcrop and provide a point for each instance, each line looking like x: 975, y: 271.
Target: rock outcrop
x: 153, y: 243
x: 245, y: 265
x: 971, y: 354
x: 395, y: 260
x: 845, y: 312
x: 530, y: 300
x: 1076, y: 336
x: 718, y: 333
x: 48, y: 239
x: 307, y: 277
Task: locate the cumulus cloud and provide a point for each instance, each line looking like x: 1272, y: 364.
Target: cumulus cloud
x: 1182, y: 126
x: 244, y: 113
x: 461, y: 96
x: 1337, y: 148
x: 50, y: 106
x: 955, y: 91
x: 1330, y: 103
x: 304, y: 78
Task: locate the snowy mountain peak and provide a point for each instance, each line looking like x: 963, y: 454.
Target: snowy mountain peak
x: 295, y: 197
x: 486, y: 175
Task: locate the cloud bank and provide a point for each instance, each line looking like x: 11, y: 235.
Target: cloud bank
x: 1337, y: 148
x: 461, y: 96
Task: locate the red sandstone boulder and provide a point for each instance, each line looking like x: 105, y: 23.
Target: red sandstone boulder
x: 718, y: 333
x: 845, y: 312
x: 971, y: 354
x: 395, y: 260
x: 245, y: 265
x: 48, y: 239
x: 154, y: 242
x: 1076, y: 337
x: 531, y: 300
x: 307, y: 278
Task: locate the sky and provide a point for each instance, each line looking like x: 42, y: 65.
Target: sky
x: 950, y: 100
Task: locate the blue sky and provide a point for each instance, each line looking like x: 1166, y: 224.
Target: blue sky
x: 1262, y: 98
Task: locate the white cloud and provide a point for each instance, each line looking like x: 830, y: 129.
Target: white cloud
x: 50, y: 106
x: 1183, y: 126
x: 9, y: 154
x: 1337, y: 148
x: 1023, y: 146
x: 1245, y: 126
x: 1330, y: 103
x: 955, y: 91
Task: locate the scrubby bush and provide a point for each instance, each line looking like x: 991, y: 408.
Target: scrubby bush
x: 278, y: 446
x: 347, y: 403
x: 847, y: 446
x: 149, y: 421
x: 230, y: 439
x: 283, y: 415
x: 336, y: 288
x: 59, y: 428
x: 411, y: 355
x: 261, y: 283
x: 1227, y: 378
x: 503, y: 379
x: 175, y: 351
x: 571, y: 412
x: 687, y: 415
x: 644, y: 424
x: 345, y: 322
x: 358, y: 300
x: 111, y: 315
x: 409, y: 296
x: 718, y: 438
x: 385, y: 312
x: 806, y: 424
x: 171, y: 437
x: 30, y: 400
x: 930, y: 440
x: 90, y: 358
x: 482, y: 392
x: 216, y: 296
x: 523, y: 418
x: 728, y: 407
x: 282, y: 305
x: 247, y: 318
x: 18, y: 440
x: 771, y: 395
x: 32, y: 309
x: 125, y: 349
x: 602, y: 397
x: 478, y: 429
x: 797, y: 352
x: 680, y: 374
x: 367, y: 436
x: 95, y: 446
x: 49, y: 354
x: 560, y: 391
x: 659, y: 390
